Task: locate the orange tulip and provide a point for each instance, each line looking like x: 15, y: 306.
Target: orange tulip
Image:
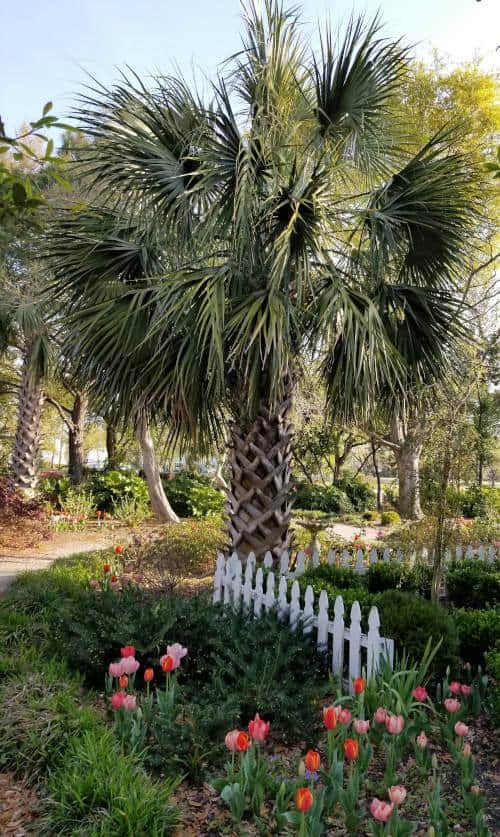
x: 242, y: 742
x: 304, y: 800
x: 167, y: 663
x: 148, y: 675
x: 107, y: 568
x: 359, y: 685
x: 330, y: 717
x: 123, y: 681
x: 312, y: 760
x: 118, y: 549
x: 351, y: 749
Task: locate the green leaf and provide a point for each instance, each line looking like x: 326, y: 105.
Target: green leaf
x: 49, y: 149
x: 46, y: 108
x: 19, y: 194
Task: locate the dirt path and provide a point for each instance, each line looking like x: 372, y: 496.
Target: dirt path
x: 61, y: 545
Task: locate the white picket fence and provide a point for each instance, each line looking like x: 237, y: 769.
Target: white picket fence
x: 361, y: 560
x: 256, y: 591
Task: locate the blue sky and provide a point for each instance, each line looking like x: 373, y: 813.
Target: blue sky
x: 48, y: 46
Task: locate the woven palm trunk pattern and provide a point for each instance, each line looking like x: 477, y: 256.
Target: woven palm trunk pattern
x: 27, y: 441
x: 259, y: 502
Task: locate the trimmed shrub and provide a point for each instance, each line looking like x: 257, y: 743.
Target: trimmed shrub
x: 326, y: 498
x: 473, y: 583
x: 396, y: 575
x: 371, y: 516
x: 341, y: 577
x: 492, y: 659
x: 390, y: 518
x: 193, y: 495
x: 411, y: 620
x: 478, y: 631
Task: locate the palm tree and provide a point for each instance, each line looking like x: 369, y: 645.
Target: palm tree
x: 24, y: 326
x: 293, y: 224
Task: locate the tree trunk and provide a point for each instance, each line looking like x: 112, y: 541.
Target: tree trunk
x: 111, y: 447
x: 27, y: 439
x: 408, y: 438
x: 259, y: 502
x: 408, y: 462
x: 159, y: 503
x: 76, y: 437
x: 377, y: 475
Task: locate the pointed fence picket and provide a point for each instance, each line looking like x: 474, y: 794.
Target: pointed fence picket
x: 255, y: 590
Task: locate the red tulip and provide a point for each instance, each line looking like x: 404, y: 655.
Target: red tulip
x: 127, y: 651
x: 106, y: 568
x: 330, y: 717
x: 304, y: 800
x: 312, y: 760
x: 351, y: 749
x: 167, y: 663
x: 118, y: 549
x: 359, y: 685
x: 117, y: 700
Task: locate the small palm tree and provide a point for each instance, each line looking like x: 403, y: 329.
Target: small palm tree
x: 289, y: 222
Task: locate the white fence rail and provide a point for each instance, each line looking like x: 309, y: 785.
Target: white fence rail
x: 349, y: 649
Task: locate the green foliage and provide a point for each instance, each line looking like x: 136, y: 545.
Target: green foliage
x: 371, y: 516
x: 326, y: 498
x: 193, y: 495
x: 189, y: 546
x: 411, y: 620
x: 99, y: 791
x: 78, y: 503
x: 132, y: 511
x: 390, y: 518
x: 53, y: 488
x: 111, y: 487
x: 341, y: 577
x: 358, y: 492
x: 478, y: 631
x: 392, y: 575
x: 39, y: 711
x: 492, y: 660
x: 473, y: 583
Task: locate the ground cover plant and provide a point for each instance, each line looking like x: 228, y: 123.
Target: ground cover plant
x: 182, y: 682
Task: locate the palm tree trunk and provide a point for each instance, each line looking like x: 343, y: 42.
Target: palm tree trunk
x: 159, y: 503
x: 111, y: 447
x: 27, y: 439
x: 408, y: 436
x: 259, y: 501
x: 76, y: 437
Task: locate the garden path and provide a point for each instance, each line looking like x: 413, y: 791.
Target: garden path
x: 61, y: 545
x: 369, y: 535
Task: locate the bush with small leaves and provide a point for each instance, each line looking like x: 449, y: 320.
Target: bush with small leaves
x: 390, y: 518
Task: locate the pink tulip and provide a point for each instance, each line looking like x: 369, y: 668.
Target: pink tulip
x: 451, y: 705
x: 115, y: 669
x: 394, y: 724
x: 455, y: 687
x: 177, y: 652
x: 461, y: 729
x: 361, y: 727
x: 422, y: 740
x: 381, y: 811
x: 117, y: 700
x: 380, y: 715
x: 397, y: 794
x: 129, y: 665
x: 344, y: 716
x: 466, y: 690
x: 467, y: 749
x: 258, y: 728
x: 130, y: 703
x: 94, y: 583
x: 420, y: 693
x: 475, y: 789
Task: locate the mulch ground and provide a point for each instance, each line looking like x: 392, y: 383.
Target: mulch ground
x: 19, y: 807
